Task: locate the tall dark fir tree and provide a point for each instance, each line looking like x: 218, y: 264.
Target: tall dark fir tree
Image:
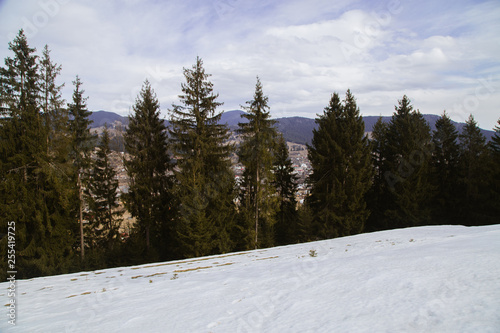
x: 445, y: 172
x: 285, y: 182
x: 378, y: 197
x: 340, y: 156
x: 494, y: 147
x: 102, y: 196
x: 495, y: 141
x: 474, y: 171
x: 407, y: 168
x: 256, y: 153
x: 56, y: 116
x: 204, y: 180
x: 31, y: 193
x: 82, y: 141
x: 149, y: 169
x: 59, y: 137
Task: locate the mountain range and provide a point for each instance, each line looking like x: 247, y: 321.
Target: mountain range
x: 294, y: 129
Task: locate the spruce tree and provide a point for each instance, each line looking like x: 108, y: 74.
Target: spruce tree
x: 473, y: 174
x: 82, y: 141
x: 340, y: 156
x: 494, y: 178
x: 495, y: 140
x: 55, y: 115
x: 256, y: 153
x: 205, y: 182
x: 104, y: 215
x: 149, y: 168
x: 407, y: 167
x: 285, y: 182
x: 31, y: 193
x: 378, y: 196
x: 445, y: 168
x: 57, y: 122
x: 322, y: 154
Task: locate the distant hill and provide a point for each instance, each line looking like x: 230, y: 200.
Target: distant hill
x: 232, y: 118
x: 294, y: 129
x: 100, y: 118
x: 299, y: 129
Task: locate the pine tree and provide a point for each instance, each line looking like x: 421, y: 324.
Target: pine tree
x: 473, y: 173
x: 104, y: 219
x: 340, y: 156
x: 408, y: 167
x: 285, y: 182
x: 31, y: 193
x: 205, y: 183
x: 148, y: 168
x: 256, y: 153
x: 445, y: 168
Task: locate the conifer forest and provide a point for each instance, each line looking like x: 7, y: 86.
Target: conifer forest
x: 57, y: 183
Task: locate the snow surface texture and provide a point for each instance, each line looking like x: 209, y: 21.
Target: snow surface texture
x: 426, y: 279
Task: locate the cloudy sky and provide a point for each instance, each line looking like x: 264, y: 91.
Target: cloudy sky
x: 445, y: 55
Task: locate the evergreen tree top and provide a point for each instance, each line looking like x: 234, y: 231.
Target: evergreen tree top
x: 259, y: 104
x: 445, y: 130
x: 146, y: 104
x: 444, y: 121
x: 197, y: 137
x: 51, y: 93
x: 495, y: 141
x: 333, y: 108
x: 146, y: 131
x: 380, y: 127
x: 198, y: 98
x: 408, y: 129
x: 404, y: 107
x: 80, y: 125
x: 79, y: 102
x: 351, y: 108
x: 258, y: 114
x: 19, y: 79
x: 78, y: 110
x: 471, y: 136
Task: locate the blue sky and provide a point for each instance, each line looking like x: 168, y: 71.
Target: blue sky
x: 445, y: 55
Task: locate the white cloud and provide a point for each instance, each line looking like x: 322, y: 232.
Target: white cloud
x: 303, y: 51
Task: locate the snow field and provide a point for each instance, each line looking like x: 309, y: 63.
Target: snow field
x: 426, y: 279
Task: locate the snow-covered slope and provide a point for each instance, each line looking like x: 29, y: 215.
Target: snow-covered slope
x: 427, y: 279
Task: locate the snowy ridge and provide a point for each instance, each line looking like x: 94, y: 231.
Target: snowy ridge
x: 426, y: 279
